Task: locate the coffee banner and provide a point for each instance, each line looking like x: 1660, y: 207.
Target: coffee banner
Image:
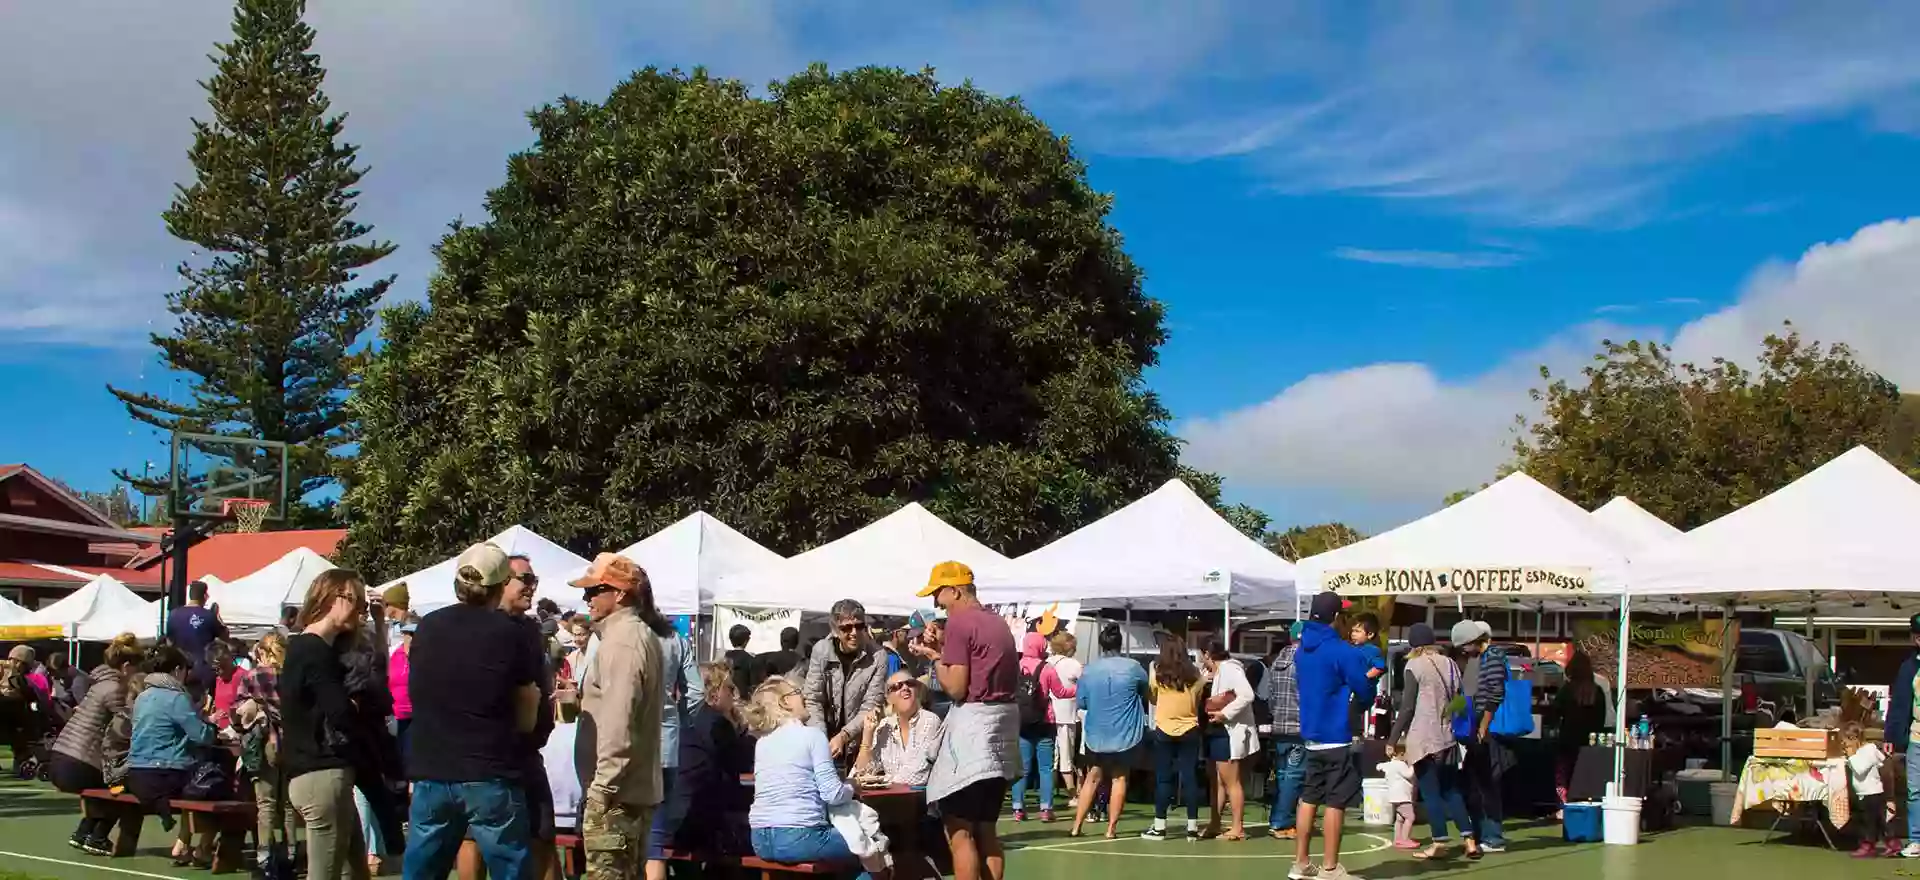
x: 1521, y: 581
x: 1681, y: 654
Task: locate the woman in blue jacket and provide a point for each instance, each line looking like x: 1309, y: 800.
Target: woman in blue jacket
x: 167, y: 731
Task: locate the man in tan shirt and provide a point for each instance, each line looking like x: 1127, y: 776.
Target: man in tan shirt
x: 618, y: 742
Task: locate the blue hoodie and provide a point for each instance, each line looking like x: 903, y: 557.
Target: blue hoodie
x: 1328, y: 672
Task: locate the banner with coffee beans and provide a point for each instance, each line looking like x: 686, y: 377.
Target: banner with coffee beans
x: 1679, y: 654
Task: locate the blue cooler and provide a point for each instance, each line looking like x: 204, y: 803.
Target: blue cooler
x: 1582, y: 823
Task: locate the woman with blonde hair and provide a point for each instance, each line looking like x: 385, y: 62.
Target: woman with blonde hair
x: 256, y: 715
x: 1430, y: 698
x: 795, y: 781
x: 714, y: 753
x: 899, y: 741
x: 316, y: 718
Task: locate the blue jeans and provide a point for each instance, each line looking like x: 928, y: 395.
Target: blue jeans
x: 1913, y: 791
x: 792, y: 846
x: 1440, y: 794
x: 1036, y: 755
x: 444, y: 813
x: 665, y: 823
x: 1176, y: 759
x: 1290, y: 774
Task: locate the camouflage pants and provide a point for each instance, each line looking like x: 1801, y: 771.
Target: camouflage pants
x: 615, y: 839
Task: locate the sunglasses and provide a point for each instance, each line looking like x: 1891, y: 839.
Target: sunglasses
x: 851, y: 626
x: 530, y: 579
x: 595, y: 591
x: 900, y: 686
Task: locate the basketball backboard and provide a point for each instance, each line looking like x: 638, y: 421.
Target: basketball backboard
x: 209, y: 472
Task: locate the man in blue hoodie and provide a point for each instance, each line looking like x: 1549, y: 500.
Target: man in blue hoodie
x: 1328, y: 671
x: 1899, y: 738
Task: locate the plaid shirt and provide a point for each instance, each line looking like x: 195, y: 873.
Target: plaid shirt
x: 1284, y: 694
x: 263, y: 685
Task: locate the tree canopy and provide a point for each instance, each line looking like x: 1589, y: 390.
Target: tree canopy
x: 1300, y: 542
x: 1692, y: 442
x: 795, y: 311
x: 267, y: 322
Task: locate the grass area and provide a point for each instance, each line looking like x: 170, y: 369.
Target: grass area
x: 35, y: 822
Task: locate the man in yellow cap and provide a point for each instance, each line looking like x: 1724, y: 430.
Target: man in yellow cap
x: 621, y: 699
x: 978, y: 668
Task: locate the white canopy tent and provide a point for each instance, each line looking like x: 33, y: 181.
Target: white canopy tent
x: 686, y: 560
x: 1514, y: 539
x: 1166, y: 550
x: 11, y: 612
x: 1639, y: 530
x: 100, y: 610
x: 1843, y: 532
x: 431, y: 589
x: 257, y: 599
x: 881, y: 566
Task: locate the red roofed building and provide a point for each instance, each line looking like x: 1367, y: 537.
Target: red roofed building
x: 238, y: 554
x: 51, y: 542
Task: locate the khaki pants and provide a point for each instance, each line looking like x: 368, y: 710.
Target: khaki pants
x: 272, y: 814
x: 335, y: 848
x: 615, y: 840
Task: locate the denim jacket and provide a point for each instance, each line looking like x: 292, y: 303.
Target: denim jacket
x: 166, y: 726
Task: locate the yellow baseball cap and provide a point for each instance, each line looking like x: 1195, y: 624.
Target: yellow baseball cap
x: 947, y: 574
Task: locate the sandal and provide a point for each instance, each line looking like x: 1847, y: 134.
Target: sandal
x: 1234, y: 835
x: 1474, y: 853
x: 1432, y: 853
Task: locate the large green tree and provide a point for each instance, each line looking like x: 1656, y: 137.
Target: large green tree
x: 794, y: 311
x: 270, y: 309
x: 1690, y: 442
x: 1300, y: 542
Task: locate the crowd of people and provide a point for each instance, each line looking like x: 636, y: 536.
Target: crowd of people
x: 329, y: 718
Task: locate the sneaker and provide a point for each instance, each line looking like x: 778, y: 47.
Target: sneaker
x: 1867, y: 850
x: 1911, y: 851
x: 1154, y: 834
x: 96, y: 846
x: 1497, y: 846
x: 1019, y: 815
x: 76, y: 842
x: 1193, y: 836
x: 1890, y: 849
x: 1302, y: 871
x: 1046, y: 815
x: 1337, y: 872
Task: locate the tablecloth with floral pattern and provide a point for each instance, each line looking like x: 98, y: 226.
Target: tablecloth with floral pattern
x: 1769, y: 781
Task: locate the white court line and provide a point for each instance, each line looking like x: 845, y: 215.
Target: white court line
x: 92, y: 866
x: 1072, y: 846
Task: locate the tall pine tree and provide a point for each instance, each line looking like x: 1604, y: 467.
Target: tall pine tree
x: 268, y: 320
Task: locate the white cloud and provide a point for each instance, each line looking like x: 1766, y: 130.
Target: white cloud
x: 1398, y: 433
x: 1390, y: 432
x: 1429, y: 259
x: 1863, y: 290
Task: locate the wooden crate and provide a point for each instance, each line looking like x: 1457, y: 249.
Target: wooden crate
x: 1812, y: 745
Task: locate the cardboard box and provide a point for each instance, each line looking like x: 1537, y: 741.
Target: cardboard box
x: 1812, y: 745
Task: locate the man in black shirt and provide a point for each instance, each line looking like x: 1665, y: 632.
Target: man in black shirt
x: 785, y: 662
x: 474, y: 680
x: 746, y: 667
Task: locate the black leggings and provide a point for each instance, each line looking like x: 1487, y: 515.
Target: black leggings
x: 73, y: 776
x: 1870, y: 810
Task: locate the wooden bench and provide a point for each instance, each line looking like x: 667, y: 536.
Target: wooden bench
x: 232, y: 820
x: 573, y: 861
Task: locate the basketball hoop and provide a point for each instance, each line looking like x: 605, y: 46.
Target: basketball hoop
x: 247, y: 514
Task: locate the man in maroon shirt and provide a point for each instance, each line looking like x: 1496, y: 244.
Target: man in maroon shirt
x: 980, y: 751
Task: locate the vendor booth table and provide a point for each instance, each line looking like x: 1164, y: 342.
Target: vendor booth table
x: 1796, y: 788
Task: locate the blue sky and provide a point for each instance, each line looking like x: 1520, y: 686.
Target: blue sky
x: 1369, y: 222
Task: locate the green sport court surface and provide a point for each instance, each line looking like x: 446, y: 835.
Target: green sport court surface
x: 35, y: 821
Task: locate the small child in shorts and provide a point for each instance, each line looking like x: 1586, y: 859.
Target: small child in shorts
x: 1400, y: 796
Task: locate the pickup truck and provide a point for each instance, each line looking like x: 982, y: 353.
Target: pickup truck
x: 1771, y: 674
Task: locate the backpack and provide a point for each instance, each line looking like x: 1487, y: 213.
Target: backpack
x: 1033, y: 703
x: 13, y: 683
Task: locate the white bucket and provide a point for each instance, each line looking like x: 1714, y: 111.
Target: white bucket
x: 1374, y: 808
x: 1723, y: 795
x: 1620, y: 820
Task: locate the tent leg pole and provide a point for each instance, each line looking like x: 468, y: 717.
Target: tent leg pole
x: 1620, y: 698
x: 1126, y: 634
x: 1729, y: 649
x: 1226, y: 622
x: 1808, y: 673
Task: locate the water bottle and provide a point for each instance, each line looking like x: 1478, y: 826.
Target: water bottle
x: 1646, y: 732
